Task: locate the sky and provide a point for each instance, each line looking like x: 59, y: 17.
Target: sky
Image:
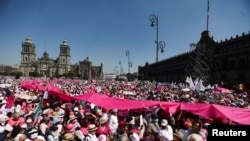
x: 104, y: 30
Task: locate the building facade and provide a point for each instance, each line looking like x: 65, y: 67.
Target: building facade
x: 209, y: 60
x: 88, y: 71
x: 46, y: 66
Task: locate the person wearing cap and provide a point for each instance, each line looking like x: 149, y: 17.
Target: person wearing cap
x: 91, y: 136
x: 113, y: 123
x: 77, y: 113
x: 103, y: 128
x: 166, y: 131
x: 73, y: 120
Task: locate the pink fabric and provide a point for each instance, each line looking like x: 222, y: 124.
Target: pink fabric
x: 238, y: 115
x: 222, y: 90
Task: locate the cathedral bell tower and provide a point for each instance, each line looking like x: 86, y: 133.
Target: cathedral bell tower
x: 64, y: 58
x: 28, y: 51
x: 28, y: 56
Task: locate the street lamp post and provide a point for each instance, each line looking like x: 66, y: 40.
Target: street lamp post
x: 120, y: 63
x: 160, y: 45
x: 129, y: 62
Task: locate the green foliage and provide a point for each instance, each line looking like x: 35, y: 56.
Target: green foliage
x: 34, y: 74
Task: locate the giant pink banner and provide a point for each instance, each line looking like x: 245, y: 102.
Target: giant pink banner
x: 238, y: 115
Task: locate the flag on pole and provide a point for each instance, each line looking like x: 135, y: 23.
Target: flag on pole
x: 38, y: 109
x: 207, y: 8
x: 37, y: 112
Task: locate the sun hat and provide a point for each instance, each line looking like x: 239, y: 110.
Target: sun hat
x: 102, y: 120
x: 194, y: 137
x: 92, y: 127
x: 72, y: 117
x: 164, y: 122
x: 68, y: 137
x: 179, y: 135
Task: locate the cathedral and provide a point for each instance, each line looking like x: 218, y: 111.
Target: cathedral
x: 48, y: 67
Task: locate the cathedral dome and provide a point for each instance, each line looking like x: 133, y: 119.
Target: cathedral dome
x: 45, y: 54
x: 28, y: 39
x: 65, y: 42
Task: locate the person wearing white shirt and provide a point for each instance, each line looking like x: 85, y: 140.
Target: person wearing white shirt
x: 113, y: 122
x: 166, y: 131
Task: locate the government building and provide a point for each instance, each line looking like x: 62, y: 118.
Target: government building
x: 48, y: 67
x: 209, y: 60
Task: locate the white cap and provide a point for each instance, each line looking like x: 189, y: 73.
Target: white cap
x: 76, y: 109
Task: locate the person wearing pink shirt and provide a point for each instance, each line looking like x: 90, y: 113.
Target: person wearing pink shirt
x: 16, y: 119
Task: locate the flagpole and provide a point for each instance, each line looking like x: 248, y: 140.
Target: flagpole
x: 207, y: 13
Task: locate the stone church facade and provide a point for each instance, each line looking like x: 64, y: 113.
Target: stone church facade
x: 49, y: 67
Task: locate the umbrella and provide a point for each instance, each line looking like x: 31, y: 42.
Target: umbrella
x: 222, y: 90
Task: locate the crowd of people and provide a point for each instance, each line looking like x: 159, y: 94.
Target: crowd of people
x: 54, y: 119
